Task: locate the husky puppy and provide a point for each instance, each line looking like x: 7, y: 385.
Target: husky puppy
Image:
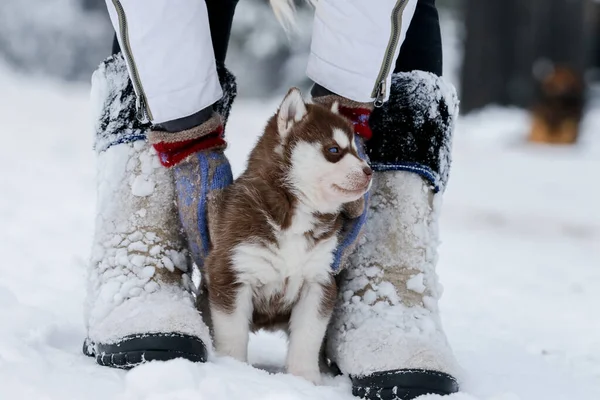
x: 275, y: 229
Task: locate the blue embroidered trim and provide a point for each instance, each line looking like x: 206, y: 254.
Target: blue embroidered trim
x: 417, y: 168
x: 351, y: 235
x: 202, y: 200
x: 360, y: 147
x: 185, y: 190
x: 222, y: 176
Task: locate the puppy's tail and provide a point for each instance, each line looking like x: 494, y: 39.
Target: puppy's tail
x: 285, y: 12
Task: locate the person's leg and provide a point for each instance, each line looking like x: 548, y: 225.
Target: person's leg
x: 355, y: 44
x: 139, y: 298
x: 353, y: 49
x: 386, y: 332
x: 390, y: 281
x: 422, y: 48
x: 195, y: 152
x: 220, y: 16
x: 169, y: 55
x: 140, y: 305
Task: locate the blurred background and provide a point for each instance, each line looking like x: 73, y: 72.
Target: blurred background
x: 502, y: 50
x: 520, y: 227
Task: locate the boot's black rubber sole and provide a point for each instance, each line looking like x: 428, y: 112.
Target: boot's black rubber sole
x: 403, y: 384
x: 134, y: 350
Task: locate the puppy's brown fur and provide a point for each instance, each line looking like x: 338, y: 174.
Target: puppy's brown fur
x: 262, y: 187
x: 261, y: 205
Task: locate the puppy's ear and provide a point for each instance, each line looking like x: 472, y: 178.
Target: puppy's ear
x: 291, y: 111
x: 335, y: 107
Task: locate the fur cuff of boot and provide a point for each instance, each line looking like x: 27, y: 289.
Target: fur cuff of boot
x: 112, y: 100
x: 113, y: 103
x: 413, y: 130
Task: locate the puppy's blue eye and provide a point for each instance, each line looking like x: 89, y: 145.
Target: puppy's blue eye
x: 333, y: 150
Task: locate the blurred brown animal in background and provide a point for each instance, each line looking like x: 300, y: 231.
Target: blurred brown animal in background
x: 559, y: 108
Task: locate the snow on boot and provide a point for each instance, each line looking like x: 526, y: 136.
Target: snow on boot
x: 140, y: 304
x: 386, y: 331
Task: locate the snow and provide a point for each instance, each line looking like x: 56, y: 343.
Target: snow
x: 416, y: 283
x: 142, y: 187
x: 520, y: 263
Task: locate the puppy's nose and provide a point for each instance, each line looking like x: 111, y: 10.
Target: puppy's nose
x: 367, y: 170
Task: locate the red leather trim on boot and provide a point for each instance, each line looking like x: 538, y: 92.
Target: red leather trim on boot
x: 172, y: 153
x: 360, y: 119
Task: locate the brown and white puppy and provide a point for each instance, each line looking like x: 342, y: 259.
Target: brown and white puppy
x: 275, y: 229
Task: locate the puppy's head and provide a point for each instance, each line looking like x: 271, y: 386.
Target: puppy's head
x: 319, y: 150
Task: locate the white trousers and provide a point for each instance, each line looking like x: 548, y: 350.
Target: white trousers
x: 170, y: 58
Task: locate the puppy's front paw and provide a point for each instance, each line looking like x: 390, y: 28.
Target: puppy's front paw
x: 237, y: 351
x: 310, y: 374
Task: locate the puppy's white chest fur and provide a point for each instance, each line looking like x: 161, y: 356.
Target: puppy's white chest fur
x: 283, y: 266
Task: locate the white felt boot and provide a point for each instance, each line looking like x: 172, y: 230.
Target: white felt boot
x: 139, y: 282
x: 387, y: 316
x: 139, y: 279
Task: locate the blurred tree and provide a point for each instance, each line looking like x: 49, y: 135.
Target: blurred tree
x: 510, y: 43
x: 594, y: 14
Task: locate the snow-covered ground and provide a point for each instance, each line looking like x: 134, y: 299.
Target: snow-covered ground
x: 520, y: 263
